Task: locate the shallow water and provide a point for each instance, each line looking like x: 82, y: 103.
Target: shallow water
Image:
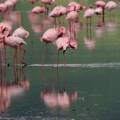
x: 89, y: 76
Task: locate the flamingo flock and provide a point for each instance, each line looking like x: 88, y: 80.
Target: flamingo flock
x: 59, y: 35
x: 65, y: 20
x: 63, y: 26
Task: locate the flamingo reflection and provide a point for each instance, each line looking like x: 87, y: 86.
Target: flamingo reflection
x: 62, y: 100
x: 9, y: 89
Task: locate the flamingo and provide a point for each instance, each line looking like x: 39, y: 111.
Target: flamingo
x: 101, y: 3
x: 73, y: 43
x: 21, y: 32
x: 52, y: 34
x: 5, y: 31
x: 111, y: 5
x: 88, y: 14
x: 72, y: 17
x: 39, y: 9
x: 74, y: 6
x: 99, y: 12
x: 3, y: 7
x: 62, y: 43
x: 58, y: 11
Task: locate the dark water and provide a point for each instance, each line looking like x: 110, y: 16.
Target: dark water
x: 84, y: 86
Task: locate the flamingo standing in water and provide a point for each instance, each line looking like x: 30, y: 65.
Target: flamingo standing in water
x: 39, y: 9
x: 57, y: 12
x: 14, y: 42
x: 101, y: 4
x: 47, y: 2
x: 52, y: 34
x: 5, y: 31
x: 74, y: 6
x: 88, y: 14
x: 72, y: 17
x: 98, y: 12
x: 111, y: 5
x: 21, y: 33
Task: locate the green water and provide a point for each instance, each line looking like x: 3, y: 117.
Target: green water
x: 97, y: 88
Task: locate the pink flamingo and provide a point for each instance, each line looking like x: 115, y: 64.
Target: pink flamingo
x: 88, y: 14
x: 10, y: 4
x: 3, y: 7
x: 58, y: 11
x: 15, y: 42
x: 48, y: 1
x: 21, y: 33
x: 99, y: 12
x: 73, y: 43
x: 111, y: 5
x: 74, y: 6
x: 5, y: 31
x: 38, y: 10
x: 72, y: 17
x: 52, y: 34
x: 62, y: 43
x: 101, y: 3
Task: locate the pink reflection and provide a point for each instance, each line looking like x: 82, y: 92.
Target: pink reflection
x: 61, y: 100
x: 38, y: 24
x: 5, y: 99
x: 14, y: 17
x: 90, y: 43
x: 111, y: 26
x: 99, y: 31
x: 50, y: 99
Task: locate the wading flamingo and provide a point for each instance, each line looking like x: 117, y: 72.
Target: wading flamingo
x: 88, y: 14
x: 5, y: 31
x: 39, y: 9
x: 111, y: 5
x: 57, y: 12
x: 101, y: 3
x: 52, y: 34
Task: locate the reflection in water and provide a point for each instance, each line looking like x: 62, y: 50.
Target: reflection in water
x: 99, y: 31
x: 40, y: 24
x: 5, y: 98
x: 14, y: 18
x: 111, y: 26
x: 89, y: 41
x: 15, y: 88
x: 59, y: 99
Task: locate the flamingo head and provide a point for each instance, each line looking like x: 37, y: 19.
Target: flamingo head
x: 61, y: 31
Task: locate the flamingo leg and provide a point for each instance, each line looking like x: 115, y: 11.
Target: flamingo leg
x: 103, y: 16
x: 0, y: 64
x: 64, y: 58
x: 4, y: 62
x: 15, y: 62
